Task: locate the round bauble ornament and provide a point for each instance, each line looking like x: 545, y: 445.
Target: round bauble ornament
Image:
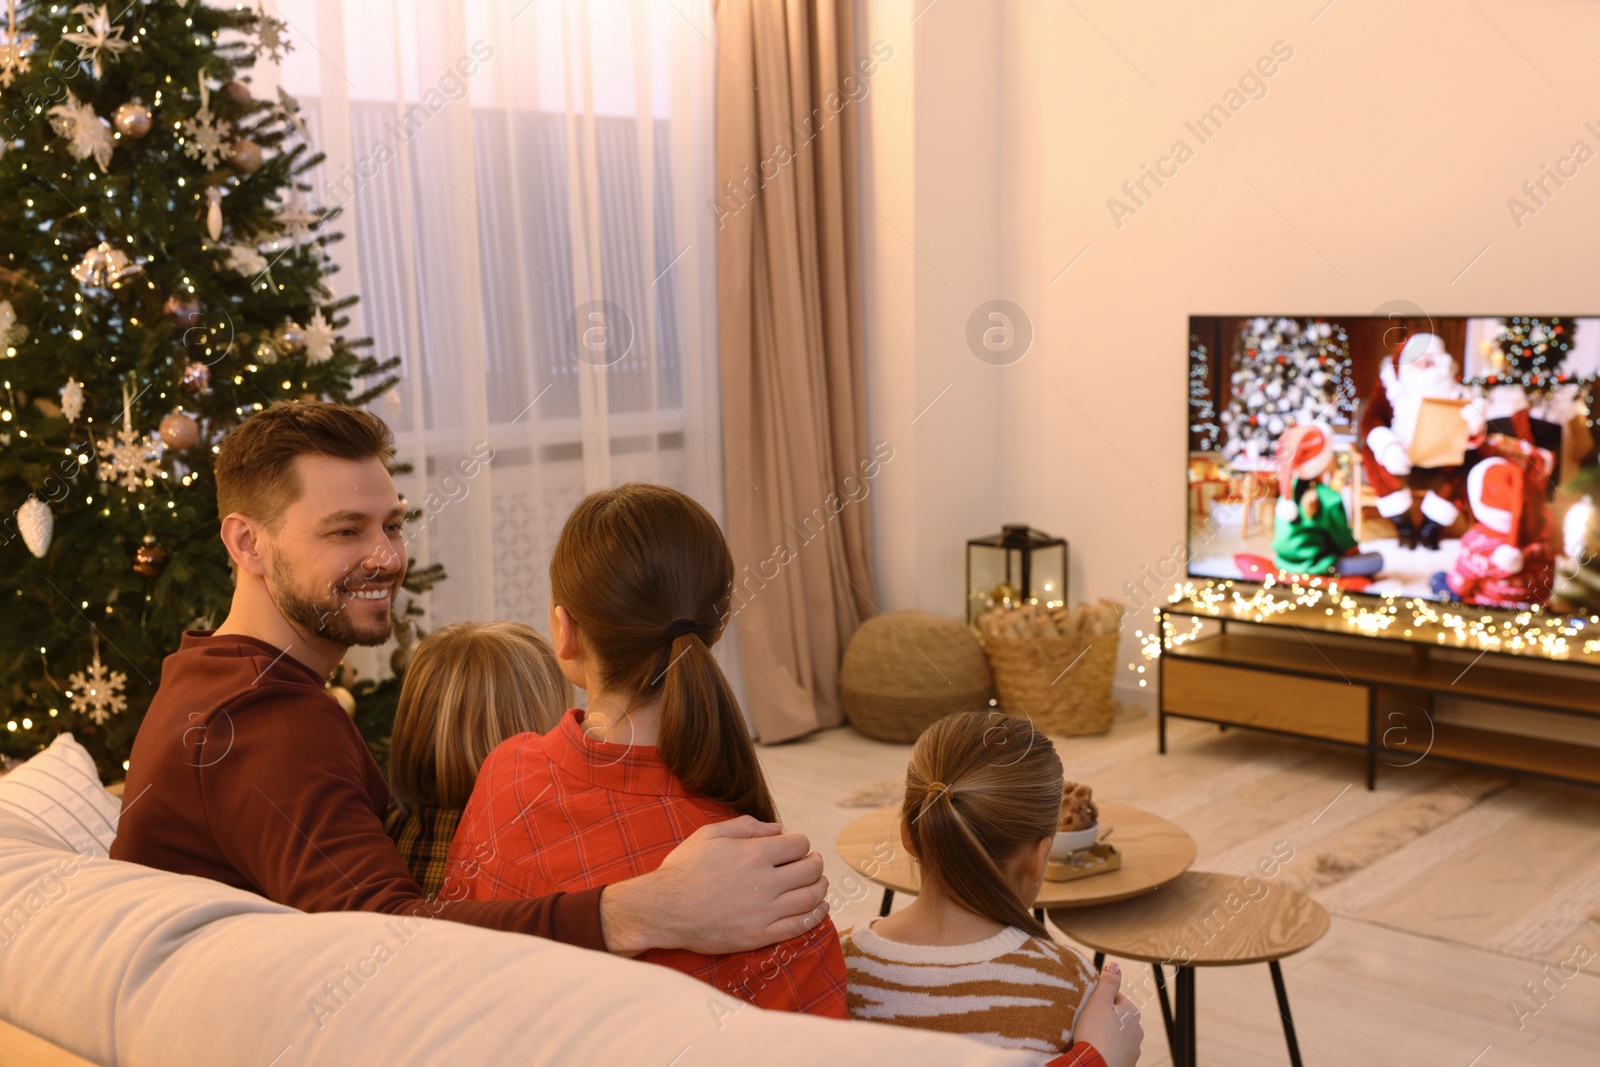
x: 36, y: 523
x: 401, y: 658
x: 179, y: 431
x: 345, y: 675
x: 131, y: 119
x: 1006, y: 593
x: 346, y: 699
x: 292, y: 336
x: 238, y: 92
x: 196, y: 379
x: 185, y: 310
x: 150, y: 559
x: 244, y: 156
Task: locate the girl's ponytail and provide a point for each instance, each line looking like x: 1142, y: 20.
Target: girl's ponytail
x: 980, y: 787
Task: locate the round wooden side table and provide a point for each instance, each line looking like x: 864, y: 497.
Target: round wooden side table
x: 1154, y: 851
x: 1202, y: 919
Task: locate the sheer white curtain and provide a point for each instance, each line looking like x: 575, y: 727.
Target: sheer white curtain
x: 525, y: 185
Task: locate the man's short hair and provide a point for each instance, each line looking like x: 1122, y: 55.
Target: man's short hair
x: 255, y: 462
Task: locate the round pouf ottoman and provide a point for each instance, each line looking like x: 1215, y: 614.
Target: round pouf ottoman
x: 907, y: 669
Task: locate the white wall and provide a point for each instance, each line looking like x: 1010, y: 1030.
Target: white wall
x: 1376, y: 168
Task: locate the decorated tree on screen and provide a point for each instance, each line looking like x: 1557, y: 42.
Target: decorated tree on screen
x: 1286, y: 371
x: 1203, y: 428
x: 162, y: 276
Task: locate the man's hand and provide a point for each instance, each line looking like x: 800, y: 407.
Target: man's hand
x: 1109, y: 1021
x: 732, y: 886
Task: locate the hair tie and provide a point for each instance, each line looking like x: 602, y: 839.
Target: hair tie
x: 678, y: 627
x: 937, y: 787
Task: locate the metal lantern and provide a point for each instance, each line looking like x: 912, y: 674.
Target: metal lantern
x: 1018, y: 565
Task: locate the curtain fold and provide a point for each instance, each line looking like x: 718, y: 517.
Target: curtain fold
x: 519, y: 179
x: 791, y: 347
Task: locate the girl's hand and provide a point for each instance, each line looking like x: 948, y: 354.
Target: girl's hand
x: 1309, y: 503
x: 1110, y: 1022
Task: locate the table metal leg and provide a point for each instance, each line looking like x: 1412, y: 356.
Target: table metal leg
x: 1184, y: 1023
x: 1166, y: 1008
x: 888, y: 900
x: 1283, y: 1009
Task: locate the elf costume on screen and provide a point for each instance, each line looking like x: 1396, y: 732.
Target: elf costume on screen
x: 1506, y: 558
x: 1416, y: 371
x: 1312, y: 535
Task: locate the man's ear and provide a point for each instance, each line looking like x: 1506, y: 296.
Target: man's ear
x: 245, y: 544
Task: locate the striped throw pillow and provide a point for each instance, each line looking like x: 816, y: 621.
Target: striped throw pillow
x: 59, y: 791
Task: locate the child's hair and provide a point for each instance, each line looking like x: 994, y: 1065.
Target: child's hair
x: 469, y: 686
x: 645, y: 574
x: 980, y: 787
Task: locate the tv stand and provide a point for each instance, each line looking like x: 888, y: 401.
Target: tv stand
x: 1378, y: 697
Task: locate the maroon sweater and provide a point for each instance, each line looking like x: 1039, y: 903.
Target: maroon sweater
x: 246, y: 771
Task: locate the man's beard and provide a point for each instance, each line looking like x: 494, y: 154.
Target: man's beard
x: 326, y: 616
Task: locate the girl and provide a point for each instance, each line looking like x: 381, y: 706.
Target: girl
x: 468, y: 688
x: 983, y: 797
x: 640, y: 586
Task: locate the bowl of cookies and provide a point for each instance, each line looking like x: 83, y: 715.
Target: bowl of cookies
x: 1079, y: 824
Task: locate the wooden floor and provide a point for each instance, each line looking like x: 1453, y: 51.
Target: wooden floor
x: 1365, y: 994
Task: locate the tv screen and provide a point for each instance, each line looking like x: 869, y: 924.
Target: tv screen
x: 1450, y: 459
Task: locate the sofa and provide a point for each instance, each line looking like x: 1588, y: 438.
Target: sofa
x: 123, y: 964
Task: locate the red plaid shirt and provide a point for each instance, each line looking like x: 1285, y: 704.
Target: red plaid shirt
x: 564, y: 812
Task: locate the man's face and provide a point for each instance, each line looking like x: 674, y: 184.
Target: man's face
x: 338, y: 554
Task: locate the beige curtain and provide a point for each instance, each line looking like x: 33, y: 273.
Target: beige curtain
x: 793, y: 378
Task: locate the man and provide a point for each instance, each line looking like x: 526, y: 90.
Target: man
x: 246, y: 771
x: 1417, y: 371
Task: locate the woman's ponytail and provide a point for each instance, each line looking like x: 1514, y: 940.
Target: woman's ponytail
x: 645, y: 573
x: 702, y: 737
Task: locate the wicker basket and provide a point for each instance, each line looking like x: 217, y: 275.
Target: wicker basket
x: 905, y: 670
x: 1064, y: 687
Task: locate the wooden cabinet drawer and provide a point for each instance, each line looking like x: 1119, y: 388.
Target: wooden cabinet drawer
x: 1333, y: 710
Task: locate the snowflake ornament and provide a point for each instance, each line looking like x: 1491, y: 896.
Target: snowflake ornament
x: 270, y: 36
x: 294, y: 217
x: 319, y: 339
x: 12, y: 332
x: 88, y: 133
x: 242, y: 259
x: 206, y: 137
x: 15, y: 50
x: 71, y: 400
x: 130, y: 458
x: 97, y: 40
x: 97, y: 691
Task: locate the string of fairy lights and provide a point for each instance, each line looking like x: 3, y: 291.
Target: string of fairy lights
x: 1528, y: 631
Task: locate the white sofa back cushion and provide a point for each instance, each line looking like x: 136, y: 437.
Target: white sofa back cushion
x: 59, y: 791
x: 123, y: 964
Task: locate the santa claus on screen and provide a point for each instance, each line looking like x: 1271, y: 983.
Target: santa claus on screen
x: 1506, y: 558
x: 1418, y: 370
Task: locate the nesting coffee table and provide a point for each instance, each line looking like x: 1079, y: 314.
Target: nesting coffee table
x: 1154, y: 852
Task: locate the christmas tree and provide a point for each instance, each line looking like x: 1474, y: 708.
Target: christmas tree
x: 162, y: 278
x: 1203, y: 428
x: 1287, y: 371
x: 1532, y: 353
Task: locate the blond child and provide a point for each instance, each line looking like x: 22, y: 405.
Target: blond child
x: 470, y: 686
x: 967, y: 956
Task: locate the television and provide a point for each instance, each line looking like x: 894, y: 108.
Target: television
x: 1447, y: 459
